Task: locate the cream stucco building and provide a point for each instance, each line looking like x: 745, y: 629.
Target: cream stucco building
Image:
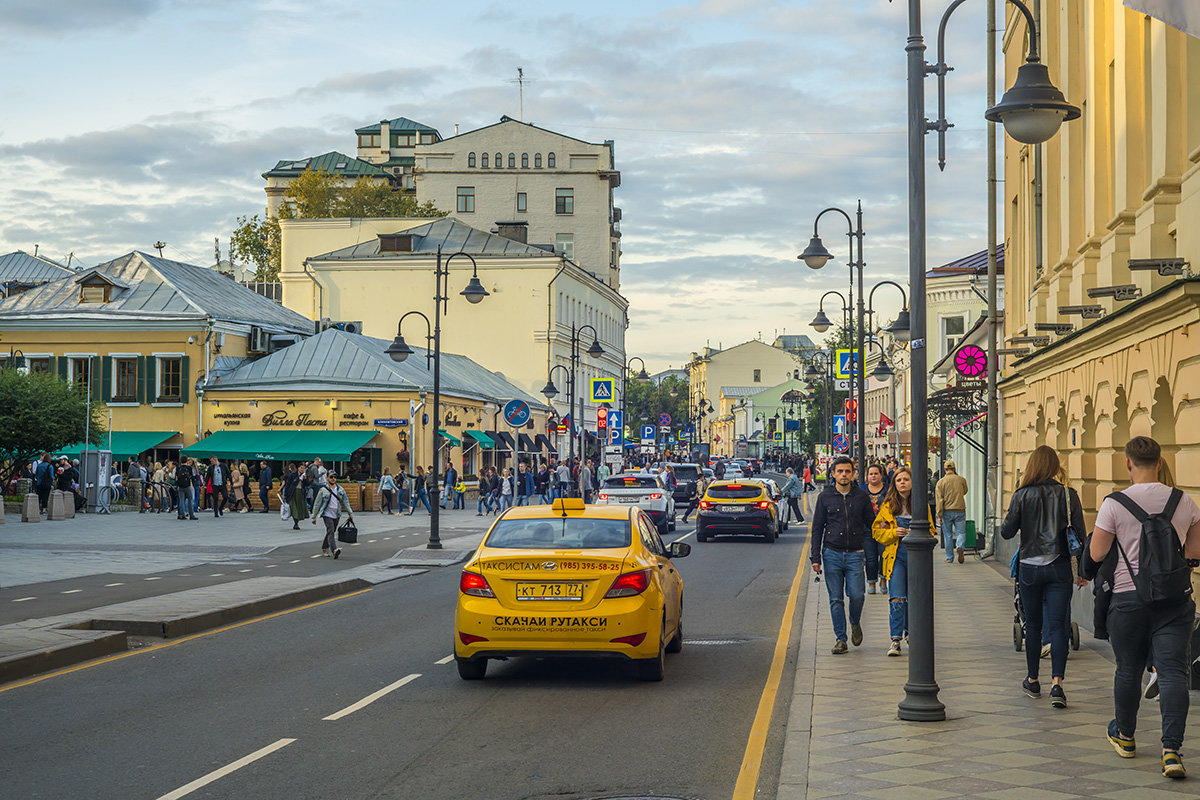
x: 752, y: 364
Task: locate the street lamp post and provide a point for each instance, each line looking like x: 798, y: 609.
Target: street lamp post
x: 822, y: 323
x: 641, y: 376
x: 399, y: 351
x: 825, y: 362
x: 550, y: 390
x: 1031, y: 111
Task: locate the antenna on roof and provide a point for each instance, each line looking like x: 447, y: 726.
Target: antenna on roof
x: 159, y: 247
x: 70, y: 255
x: 35, y: 247
x: 521, y: 81
x: 216, y: 252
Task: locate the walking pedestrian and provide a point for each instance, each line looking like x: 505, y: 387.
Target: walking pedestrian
x: 506, y: 490
x: 329, y: 504
x: 809, y: 486
x: 892, y: 524
x: 449, y: 479
x: 841, y: 519
x: 699, y: 487
x: 525, y: 484
x: 197, y: 487
x: 403, y: 487
x: 1041, y: 510
x: 562, y: 474
x: 43, y: 481
x: 587, y: 481
x: 293, y: 495
x: 184, y: 476
x: 420, y: 493
x: 872, y: 548
x: 792, y: 491
x: 237, y: 484
x: 264, y: 486
x: 950, y: 495
x: 430, y: 488
x: 1156, y: 530
x: 483, y: 502
x: 493, y: 491
x: 387, y: 490
x: 218, y: 482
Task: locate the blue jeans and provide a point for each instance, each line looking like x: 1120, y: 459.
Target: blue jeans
x: 843, y: 572
x: 505, y: 502
x: 898, y: 594
x: 873, y: 556
x: 522, y: 499
x: 482, y: 504
x: 186, y: 502
x: 422, y: 497
x: 1049, y: 585
x: 954, y: 531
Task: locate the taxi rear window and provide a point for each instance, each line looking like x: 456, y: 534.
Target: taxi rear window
x: 559, y: 533
x: 631, y: 482
x: 734, y: 491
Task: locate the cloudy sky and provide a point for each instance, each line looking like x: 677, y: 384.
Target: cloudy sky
x: 735, y: 121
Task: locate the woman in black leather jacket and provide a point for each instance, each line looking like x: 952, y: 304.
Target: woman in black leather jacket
x: 1040, y: 509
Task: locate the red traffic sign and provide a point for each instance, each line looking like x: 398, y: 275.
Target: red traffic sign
x: 664, y: 419
x: 602, y: 418
x: 841, y: 443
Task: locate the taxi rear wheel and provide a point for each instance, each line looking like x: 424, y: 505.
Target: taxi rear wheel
x: 676, y: 643
x: 769, y: 537
x: 653, y: 669
x: 470, y: 670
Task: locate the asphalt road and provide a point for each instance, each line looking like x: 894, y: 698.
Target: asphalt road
x: 249, y: 708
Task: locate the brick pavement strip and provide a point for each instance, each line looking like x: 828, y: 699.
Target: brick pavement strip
x: 844, y: 739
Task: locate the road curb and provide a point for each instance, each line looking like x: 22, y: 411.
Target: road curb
x: 57, y: 648
x: 793, y: 775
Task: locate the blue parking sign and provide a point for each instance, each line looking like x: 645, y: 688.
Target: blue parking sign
x: 647, y: 433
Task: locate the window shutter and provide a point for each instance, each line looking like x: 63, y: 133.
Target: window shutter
x: 106, y: 368
x: 96, y: 376
x: 145, y: 382
x: 185, y: 385
x: 63, y: 363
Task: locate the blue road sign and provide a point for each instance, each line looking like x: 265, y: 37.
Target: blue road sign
x: 689, y: 428
x: 846, y: 364
x: 839, y: 423
x: 647, y: 433
x: 664, y: 419
x: 603, y: 389
x: 614, y: 435
x: 516, y: 413
x: 616, y: 419
x: 840, y: 443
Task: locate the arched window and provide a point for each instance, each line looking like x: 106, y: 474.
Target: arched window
x: 483, y: 162
x: 537, y: 160
x: 499, y: 161
x: 471, y: 159
x: 524, y: 160
x: 512, y: 161
x: 550, y: 160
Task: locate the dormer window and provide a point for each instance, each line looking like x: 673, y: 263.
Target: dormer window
x: 95, y: 293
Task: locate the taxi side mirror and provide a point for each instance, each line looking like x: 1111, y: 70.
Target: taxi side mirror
x: 679, y: 549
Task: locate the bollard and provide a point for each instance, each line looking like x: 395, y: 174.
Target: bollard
x: 56, y: 509
x: 68, y: 505
x: 133, y: 491
x: 31, y: 511
x: 1, y: 512
x: 24, y: 486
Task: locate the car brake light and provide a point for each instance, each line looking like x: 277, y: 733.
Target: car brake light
x: 602, y: 497
x: 629, y: 584
x: 705, y: 504
x: 470, y: 638
x: 733, y: 486
x: 655, y: 496
x: 764, y: 504
x: 632, y: 641
x: 475, y: 585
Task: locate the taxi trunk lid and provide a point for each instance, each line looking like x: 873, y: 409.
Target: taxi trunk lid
x: 545, y: 580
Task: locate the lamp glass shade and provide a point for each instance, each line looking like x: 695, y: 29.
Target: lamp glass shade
x: 399, y: 349
x: 900, y: 329
x: 811, y: 373
x: 820, y: 322
x: 882, y: 371
x: 815, y: 255
x: 642, y: 376
x: 595, y: 349
x: 550, y: 390
x: 1033, y: 108
x: 474, y: 291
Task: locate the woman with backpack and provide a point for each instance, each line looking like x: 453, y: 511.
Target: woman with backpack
x: 1045, y: 512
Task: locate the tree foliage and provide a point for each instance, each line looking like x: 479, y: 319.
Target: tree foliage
x: 40, y: 412
x: 647, y: 400
x: 319, y: 194
x: 815, y: 429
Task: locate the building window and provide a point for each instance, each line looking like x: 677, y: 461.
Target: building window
x: 466, y: 199
x: 524, y: 160
x: 499, y: 161
x: 483, y: 160
x: 95, y: 293
x: 550, y: 160
x: 758, y: 376
x: 612, y: 259
x: 564, y: 201
x: 522, y: 202
x: 537, y: 160
x: 426, y: 138
x: 565, y: 243
x: 368, y: 140
x: 471, y: 159
x: 953, y: 329
x: 124, y: 380
x: 81, y: 371
x: 512, y: 161
x: 170, y: 380
x: 404, y: 139
x: 38, y: 364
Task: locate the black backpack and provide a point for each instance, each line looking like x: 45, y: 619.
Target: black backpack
x: 1163, y: 576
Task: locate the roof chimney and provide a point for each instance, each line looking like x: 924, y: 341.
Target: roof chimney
x: 517, y: 230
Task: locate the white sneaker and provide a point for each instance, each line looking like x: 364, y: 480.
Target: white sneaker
x: 1152, y: 686
x: 1046, y: 650
x: 894, y: 648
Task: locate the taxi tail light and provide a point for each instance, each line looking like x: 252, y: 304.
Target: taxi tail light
x: 474, y: 584
x: 704, y: 504
x: 655, y: 496
x: 763, y: 504
x: 629, y: 584
x: 470, y: 638
x: 632, y: 641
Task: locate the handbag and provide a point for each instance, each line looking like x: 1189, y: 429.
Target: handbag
x: 1074, y: 540
x: 348, y: 532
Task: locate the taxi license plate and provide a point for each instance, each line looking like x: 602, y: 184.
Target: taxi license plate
x: 549, y: 591
x: 730, y: 509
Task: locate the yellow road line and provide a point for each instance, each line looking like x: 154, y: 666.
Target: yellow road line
x: 747, y: 782
x: 172, y: 643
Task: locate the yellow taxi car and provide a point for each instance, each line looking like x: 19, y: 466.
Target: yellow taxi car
x: 741, y: 506
x: 570, y: 580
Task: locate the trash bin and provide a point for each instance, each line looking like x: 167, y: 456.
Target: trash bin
x: 970, y: 538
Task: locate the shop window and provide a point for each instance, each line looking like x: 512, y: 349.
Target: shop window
x: 471, y: 159
x: 564, y: 201
x: 522, y: 201
x: 170, y: 380
x: 466, y: 199
x: 124, y: 380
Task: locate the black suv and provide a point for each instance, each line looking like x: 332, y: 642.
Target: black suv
x: 686, y: 476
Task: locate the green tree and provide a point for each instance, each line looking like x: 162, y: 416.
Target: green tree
x: 319, y: 194
x: 648, y: 399
x: 40, y: 412
x: 815, y: 429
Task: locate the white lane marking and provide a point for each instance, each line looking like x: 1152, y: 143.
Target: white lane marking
x: 272, y: 566
x: 156, y: 578
x: 217, y: 774
x: 387, y: 538
x: 110, y: 585
x: 371, y: 698
x: 216, y: 575
x: 318, y: 555
x: 445, y: 660
x: 72, y: 591
x: 245, y: 570
x: 686, y: 535
x: 372, y: 541
x: 294, y: 561
x: 23, y: 599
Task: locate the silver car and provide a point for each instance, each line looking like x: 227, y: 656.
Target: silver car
x: 644, y: 490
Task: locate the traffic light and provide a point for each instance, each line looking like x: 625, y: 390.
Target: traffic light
x: 602, y: 418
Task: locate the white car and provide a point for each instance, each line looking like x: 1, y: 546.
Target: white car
x: 779, y: 500
x: 644, y: 490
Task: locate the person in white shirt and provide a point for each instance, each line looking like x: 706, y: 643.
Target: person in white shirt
x: 330, y: 503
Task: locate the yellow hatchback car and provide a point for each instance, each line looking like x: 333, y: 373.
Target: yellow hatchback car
x: 570, y: 580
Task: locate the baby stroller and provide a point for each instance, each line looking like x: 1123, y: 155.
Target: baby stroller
x: 1019, y: 615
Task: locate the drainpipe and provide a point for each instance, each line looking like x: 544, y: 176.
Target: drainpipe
x: 207, y: 371
x: 320, y: 297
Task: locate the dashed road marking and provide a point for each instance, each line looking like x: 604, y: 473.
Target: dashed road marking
x: 272, y: 566
x: 217, y: 575
x: 445, y: 660
x: 294, y: 561
x: 371, y: 698
x: 155, y: 578
x: 23, y: 599
x: 217, y: 774
x: 110, y: 585
x: 72, y: 591
x: 318, y: 555
x: 245, y: 570
x: 372, y: 541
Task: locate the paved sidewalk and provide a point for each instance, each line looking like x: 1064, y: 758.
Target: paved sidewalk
x: 844, y: 738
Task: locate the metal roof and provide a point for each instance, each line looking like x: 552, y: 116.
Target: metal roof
x: 741, y: 391
x: 20, y: 267
x: 974, y: 263
x: 452, y: 235
x: 337, y: 361
x: 333, y: 162
x: 159, y: 289
x: 399, y: 125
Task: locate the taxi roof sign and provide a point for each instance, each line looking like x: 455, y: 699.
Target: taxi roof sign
x: 565, y: 504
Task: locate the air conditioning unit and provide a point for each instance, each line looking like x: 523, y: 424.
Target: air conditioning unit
x: 260, y: 340
x: 349, y: 327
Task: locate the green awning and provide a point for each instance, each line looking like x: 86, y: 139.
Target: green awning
x: 481, y: 437
x: 449, y: 437
x: 281, y: 445
x: 122, y: 443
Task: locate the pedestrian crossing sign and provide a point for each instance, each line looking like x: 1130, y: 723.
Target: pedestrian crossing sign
x: 603, y: 390
x: 846, y: 363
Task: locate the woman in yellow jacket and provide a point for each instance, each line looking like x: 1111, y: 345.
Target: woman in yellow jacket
x: 892, y: 523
